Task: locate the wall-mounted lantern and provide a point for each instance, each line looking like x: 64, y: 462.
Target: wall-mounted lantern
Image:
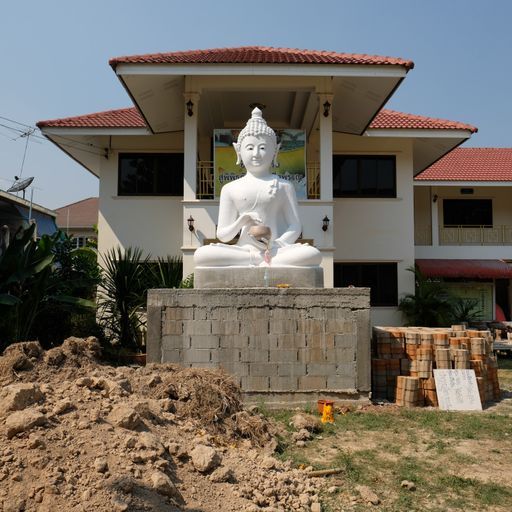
x: 190, y: 222
x: 325, y: 223
x: 190, y: 108
x: 327, y: 108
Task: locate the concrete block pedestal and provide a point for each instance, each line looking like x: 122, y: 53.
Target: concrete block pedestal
x: 284, y: 346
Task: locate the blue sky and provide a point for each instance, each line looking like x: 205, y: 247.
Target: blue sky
x: 54, y: 61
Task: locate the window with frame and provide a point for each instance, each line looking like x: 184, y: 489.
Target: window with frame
x: 150, y: 174
x: 467, y: 212
x: 381, y: 278
x: 364, y: 176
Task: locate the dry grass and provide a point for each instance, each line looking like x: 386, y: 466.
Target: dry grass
x: 458, y: 461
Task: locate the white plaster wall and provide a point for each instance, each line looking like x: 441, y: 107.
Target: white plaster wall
x: 378, y: 229
x: 360, y: 229
x: 150, y: 222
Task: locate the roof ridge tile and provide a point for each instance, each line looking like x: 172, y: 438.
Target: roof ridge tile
x: 260, y: 55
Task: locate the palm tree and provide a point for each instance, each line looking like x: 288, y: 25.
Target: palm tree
x: 429, y: 306
x: 122, y: 295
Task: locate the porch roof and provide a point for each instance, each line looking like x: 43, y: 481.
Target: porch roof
x: 288, y: 81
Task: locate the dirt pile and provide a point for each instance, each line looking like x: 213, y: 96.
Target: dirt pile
x: 78, y: 435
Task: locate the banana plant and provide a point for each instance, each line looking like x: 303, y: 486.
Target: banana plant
x: 32, y: 283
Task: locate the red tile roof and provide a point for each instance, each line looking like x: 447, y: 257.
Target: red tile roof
x: 82, y: 214
x: 259, y: 55
x: 118, y: 118
x: 387, y: 119
x: 130, y: 118
x: 471, y: 164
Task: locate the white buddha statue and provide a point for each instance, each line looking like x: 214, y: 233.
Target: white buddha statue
x: 261, y: 206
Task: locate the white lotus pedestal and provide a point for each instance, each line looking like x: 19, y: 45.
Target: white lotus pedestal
x: 258, y: 277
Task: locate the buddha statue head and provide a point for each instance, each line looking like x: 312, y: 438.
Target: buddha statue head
x: 256, y: 147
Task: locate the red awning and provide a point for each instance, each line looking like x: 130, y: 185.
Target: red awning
x: 481, y: 269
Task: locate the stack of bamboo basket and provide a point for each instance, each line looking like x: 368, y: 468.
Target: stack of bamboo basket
x: 404, y: 359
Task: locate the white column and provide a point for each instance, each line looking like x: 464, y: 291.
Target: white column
x: 325, y: 239
x: 325, y: 122
x: 434, y: 216
x: 190, y: 147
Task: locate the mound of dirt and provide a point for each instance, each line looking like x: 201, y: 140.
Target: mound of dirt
x: 79, y: 435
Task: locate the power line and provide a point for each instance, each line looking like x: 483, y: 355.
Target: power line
x: 15, y: 122
x: 89, y: 144
x: 23, y: 133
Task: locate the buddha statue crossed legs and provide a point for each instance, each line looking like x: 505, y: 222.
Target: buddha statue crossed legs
x: 261, y: 206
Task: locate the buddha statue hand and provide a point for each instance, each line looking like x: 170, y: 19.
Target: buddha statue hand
x: 261, y: 234
x: 250, y: 219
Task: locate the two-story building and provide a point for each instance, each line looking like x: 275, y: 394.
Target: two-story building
x: 463, y: 225
x: 159, y: 180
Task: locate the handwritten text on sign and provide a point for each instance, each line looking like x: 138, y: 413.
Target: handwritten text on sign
x: 457, y: 390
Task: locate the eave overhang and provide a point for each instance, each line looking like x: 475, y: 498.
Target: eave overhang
x: 461, y: 183
x: 11, y: 198
x: 85, y: 149
x: 358, y: 91
x: 428, y: 145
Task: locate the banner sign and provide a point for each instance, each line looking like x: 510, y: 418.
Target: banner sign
x: 291, y: 158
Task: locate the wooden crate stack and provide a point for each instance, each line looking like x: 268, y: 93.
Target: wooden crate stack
x: 404, y: 359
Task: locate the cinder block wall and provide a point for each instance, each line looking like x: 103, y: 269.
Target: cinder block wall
x: 286, y: 345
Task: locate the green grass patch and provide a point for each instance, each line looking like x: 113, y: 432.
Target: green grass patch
x: 409, y: 468
x: 457, y: 425
x: 358, y: 421
x: 439, y: 446
x: 353, y: 471
x: 487, y: 494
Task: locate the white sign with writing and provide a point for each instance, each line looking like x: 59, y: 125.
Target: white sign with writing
x: 457, y: 390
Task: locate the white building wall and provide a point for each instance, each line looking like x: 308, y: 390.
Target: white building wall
x: 378, y: 229
x: 363, y: 230
x: 150, y: 222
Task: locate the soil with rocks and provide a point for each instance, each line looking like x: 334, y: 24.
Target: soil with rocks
x: 80, y: 435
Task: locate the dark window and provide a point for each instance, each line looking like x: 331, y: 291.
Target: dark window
x: 467, y: 212
x: 150, y: 174
x: 381, y: 278
x: 364, y: 176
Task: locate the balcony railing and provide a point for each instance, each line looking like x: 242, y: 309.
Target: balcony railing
x: 465, y: 235
x: 475, y: 235
x: 206, y: 180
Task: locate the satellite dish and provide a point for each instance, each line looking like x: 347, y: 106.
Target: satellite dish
x: 21, y: 185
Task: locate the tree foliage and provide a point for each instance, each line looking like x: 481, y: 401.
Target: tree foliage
x: 42, y: 284
x: 126, y: 278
